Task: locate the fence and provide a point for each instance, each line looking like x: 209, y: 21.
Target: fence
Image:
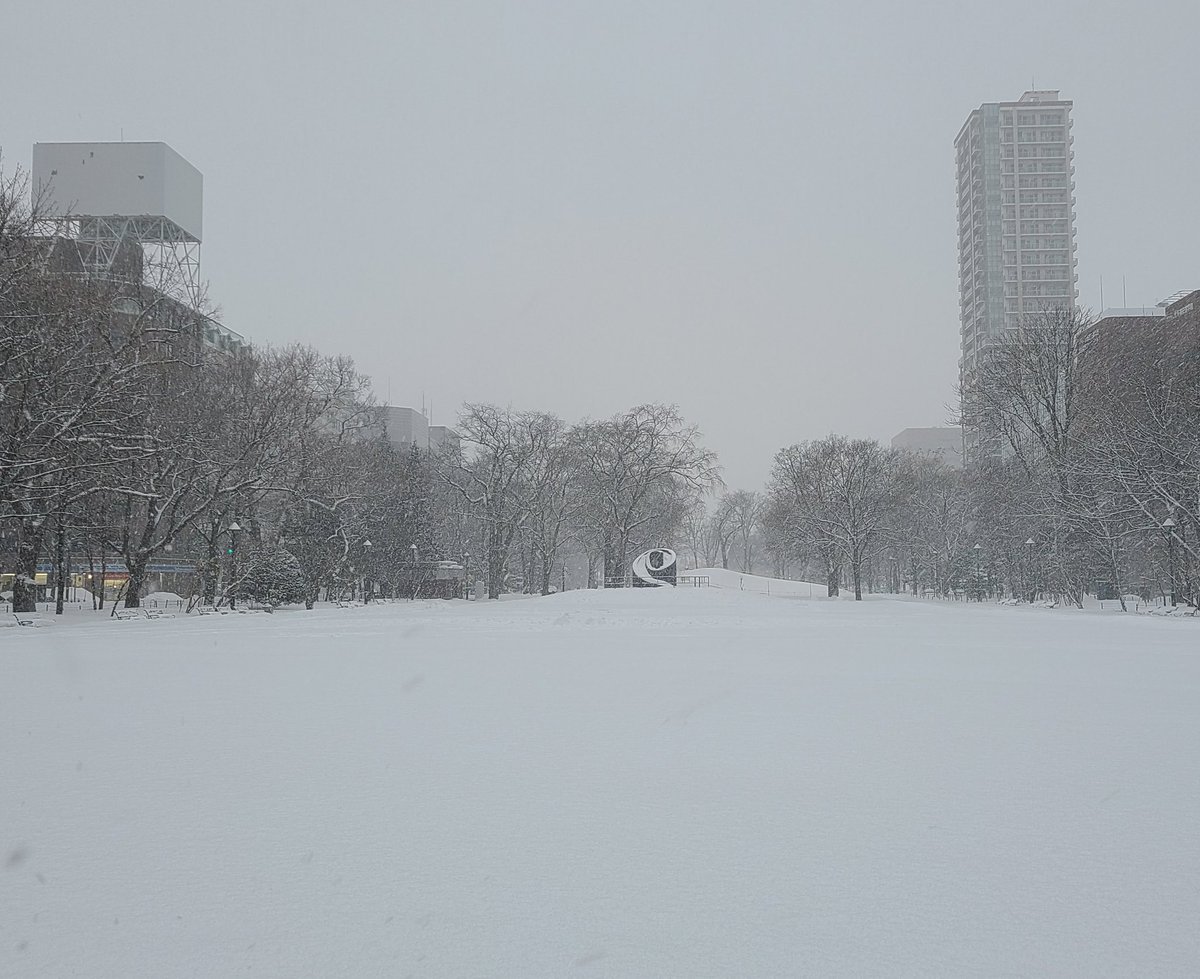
x: 81, y: 604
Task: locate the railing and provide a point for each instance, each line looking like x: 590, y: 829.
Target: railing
x: 47, y: 606
x: 683, y: 580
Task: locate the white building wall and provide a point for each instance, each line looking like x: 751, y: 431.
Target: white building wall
x: 127, y: 179
x: 406, y: 426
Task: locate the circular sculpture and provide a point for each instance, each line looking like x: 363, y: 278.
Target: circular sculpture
x: 654, y: 569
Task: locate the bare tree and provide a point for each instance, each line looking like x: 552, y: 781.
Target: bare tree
x: 839, y: 495
x: 746, y: 509
x: 491, y: 479
x: 549, y: 491
x: 641, y: 471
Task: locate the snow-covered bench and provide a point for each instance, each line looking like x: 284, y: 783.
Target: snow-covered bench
x: 142, y: 613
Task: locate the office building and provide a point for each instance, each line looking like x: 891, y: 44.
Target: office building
x: 131, y: 214
x: 406, y: 427
x: 1016, y: 217
x: 443, y: 437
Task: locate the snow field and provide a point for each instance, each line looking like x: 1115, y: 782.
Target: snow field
x: 645, y: 783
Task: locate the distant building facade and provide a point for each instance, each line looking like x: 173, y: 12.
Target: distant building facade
x: 409, y: 427
x: 1183, y: 304
x: 131, y: 214
x: 442, y: 437
x: 1122, y: 337
x: 945, y: 444
x: 406, y: 426
x: 1139, y: 326
x: 1016, y: 217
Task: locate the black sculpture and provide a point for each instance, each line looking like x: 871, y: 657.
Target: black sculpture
x: 655, y: 569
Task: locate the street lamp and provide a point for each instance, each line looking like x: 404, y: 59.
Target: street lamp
x: 1169, y: 526
x: 413, y: 593
x: 367, y: 560
x: 1029, y: 566
x: 467, y: 573
x: 978, y: 573
x: 234, y: 527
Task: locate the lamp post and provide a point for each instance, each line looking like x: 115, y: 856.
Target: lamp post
x: 978, y: 573
x: 467, y: 574
x: 1168, y: 526
x: 1029, y: 567
x: 413, y: 593
x: 367, y: 570
x: 234, y: 527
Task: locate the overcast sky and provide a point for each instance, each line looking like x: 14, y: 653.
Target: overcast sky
x: 743, y: 208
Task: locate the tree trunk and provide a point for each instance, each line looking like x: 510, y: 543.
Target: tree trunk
x: 61, y: 584
x: 495, y: 559
x: 614, y: 570
x: 833, y: 577
x: 24, y: 585
x: 211, y: 565
x: 137, y: 581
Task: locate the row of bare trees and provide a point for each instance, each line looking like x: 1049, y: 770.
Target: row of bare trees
x: 726, y: 531
x: 1082, y: 476
x: 601, y: 488
x: 1094, y: 439
x: 124, y: 438
x: 127, y: 441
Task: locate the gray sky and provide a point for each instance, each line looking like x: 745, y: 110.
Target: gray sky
x: 744, y: 208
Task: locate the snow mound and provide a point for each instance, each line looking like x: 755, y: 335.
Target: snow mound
x: 162, y: 597
x: 737, y: 581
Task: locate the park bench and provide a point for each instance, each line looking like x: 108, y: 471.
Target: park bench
x: 142, y: 613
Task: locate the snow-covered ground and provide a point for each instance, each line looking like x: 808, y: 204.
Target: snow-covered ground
x: 699, y: 782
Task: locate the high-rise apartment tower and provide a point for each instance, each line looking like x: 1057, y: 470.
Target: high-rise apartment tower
x: 1016, y: 216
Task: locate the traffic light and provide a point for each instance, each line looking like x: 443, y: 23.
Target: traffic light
x: 229, y: 551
